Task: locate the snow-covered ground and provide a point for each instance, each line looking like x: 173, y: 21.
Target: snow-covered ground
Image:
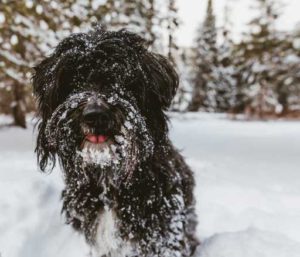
x: 248, y: 190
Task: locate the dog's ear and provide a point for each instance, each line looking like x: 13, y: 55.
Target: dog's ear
x: 162, y: 79
x: 50, y: 82
x: 45, y: 152
x: 46, y: 81
x: 42, y: 82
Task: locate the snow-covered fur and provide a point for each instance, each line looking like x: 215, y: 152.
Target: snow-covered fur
x: 132, y: 193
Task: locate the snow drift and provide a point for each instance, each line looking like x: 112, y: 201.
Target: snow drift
x: 248, y: 190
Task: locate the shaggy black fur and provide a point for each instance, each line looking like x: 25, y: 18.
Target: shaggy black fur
x: 108, y: 83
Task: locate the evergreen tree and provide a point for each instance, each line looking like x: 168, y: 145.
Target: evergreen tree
x: 205, y: 63
x: 286, y: 67
x: 226, y: 92
x: 259, y: 58
x: 172, y: 25
x: 184, y: 65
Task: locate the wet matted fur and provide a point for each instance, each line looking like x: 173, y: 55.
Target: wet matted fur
x: 102, y: 98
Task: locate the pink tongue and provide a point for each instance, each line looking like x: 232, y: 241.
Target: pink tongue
x: 96, y: 139
x: 101, y: 139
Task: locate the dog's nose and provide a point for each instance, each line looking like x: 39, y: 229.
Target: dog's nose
x: 95, y: 114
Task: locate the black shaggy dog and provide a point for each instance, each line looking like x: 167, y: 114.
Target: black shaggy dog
x: 101, y: 102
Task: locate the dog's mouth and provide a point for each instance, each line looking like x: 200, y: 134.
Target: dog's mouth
x: 96, y: 138
x: 100, y: 149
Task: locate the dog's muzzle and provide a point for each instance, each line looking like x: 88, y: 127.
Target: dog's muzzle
x: 102, y: 125
x: 97, y: 120
x: 100, y: 122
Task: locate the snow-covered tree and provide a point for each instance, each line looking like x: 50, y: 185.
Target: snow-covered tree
x: 205, y: 63
x: 259, y: 58
x: 184, y: 64
x: 17, y: 49
x: 226, y: 90
x: 172, y: 25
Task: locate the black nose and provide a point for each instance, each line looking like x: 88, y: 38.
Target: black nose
x: 94, y: 114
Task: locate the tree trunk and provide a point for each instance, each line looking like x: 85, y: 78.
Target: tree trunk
x: 283, y: 99
x: 18, y: 106
x: 196, y: 102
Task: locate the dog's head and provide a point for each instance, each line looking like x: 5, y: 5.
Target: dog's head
x: 101, y: 100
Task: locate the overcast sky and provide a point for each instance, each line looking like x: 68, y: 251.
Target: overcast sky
x: 192, y: 12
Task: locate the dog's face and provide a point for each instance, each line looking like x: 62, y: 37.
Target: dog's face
x: 101, y: 100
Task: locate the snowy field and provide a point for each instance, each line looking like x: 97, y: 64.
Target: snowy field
x: 248, y: 190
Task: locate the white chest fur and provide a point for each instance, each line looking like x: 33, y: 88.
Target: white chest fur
x: 108, y: 240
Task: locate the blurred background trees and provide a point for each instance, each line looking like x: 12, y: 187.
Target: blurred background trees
x: 258, y: 76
